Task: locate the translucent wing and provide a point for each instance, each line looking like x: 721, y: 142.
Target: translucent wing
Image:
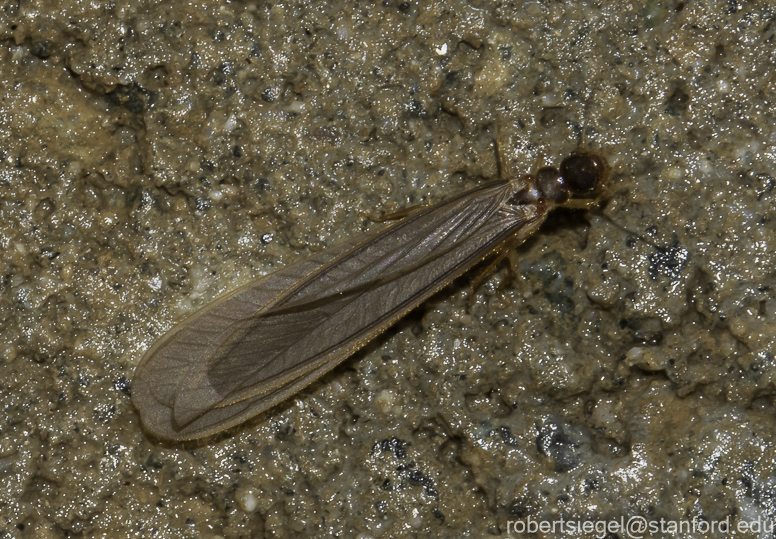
x: 262, y: 343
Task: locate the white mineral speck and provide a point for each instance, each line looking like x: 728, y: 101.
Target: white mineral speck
x: 155, y: 283
x: 296, y: 106
x: 673, y: 173
x: 416, y: 521
x: 246, y: 498
x: 550, y: 100
x: 230, y: 124
x: 634, y: 354
x: 385, y: 400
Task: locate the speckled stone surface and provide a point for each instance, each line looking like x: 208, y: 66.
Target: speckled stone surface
x: 156, y: 155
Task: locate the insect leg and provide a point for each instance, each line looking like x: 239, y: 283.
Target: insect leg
x: 500, y: 255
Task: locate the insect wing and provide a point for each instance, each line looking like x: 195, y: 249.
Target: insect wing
x: 262, y: 343
x: 194, y: 341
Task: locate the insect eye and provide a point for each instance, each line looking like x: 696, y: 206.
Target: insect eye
x: 551, y: 184
x: 583, y: 172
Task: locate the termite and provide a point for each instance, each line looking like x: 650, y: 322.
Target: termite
x: 258, y: 345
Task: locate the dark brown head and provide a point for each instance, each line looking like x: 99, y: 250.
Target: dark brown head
x: 584, y: 173
x: 580, y: 176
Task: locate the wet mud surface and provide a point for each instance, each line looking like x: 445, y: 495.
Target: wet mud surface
x: 154, y: 156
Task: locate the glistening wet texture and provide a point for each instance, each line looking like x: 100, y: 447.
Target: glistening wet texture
x: 156, y: 155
